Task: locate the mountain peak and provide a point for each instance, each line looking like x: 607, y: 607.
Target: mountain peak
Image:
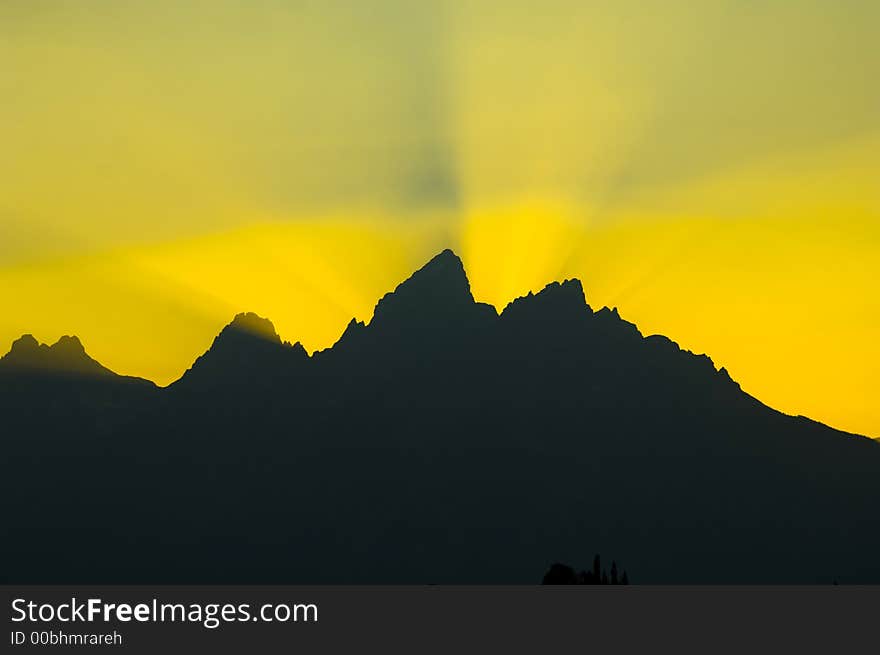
x: 446, y: 255
x: 557, y: 298
x: 253, y: 325
x: 439, y: 288
x: 247, y: 351
x: 69, y: 346
x: 568, y: 291
x: 445, y: 273
x: 25, y: 344
x: 67, y: 355
x: 246, y: 333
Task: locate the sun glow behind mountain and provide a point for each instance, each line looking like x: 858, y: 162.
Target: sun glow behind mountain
x: 711, y: 171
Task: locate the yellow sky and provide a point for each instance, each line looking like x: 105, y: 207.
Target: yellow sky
x: 712, y: 171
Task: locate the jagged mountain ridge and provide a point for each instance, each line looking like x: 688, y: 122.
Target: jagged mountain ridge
x: 438, y: 291
x: 249, y: 346
x: 440, y: 442
x: 64, y: 361
x: 67, y: 355
x: 432, y: 319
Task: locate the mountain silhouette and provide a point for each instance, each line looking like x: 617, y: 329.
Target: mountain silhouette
x: 442, y: 441
x: 66, y: 356
x: 65, y: 360
x: 247, y: 352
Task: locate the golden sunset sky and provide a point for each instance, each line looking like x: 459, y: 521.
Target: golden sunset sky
x: 712, y: 169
